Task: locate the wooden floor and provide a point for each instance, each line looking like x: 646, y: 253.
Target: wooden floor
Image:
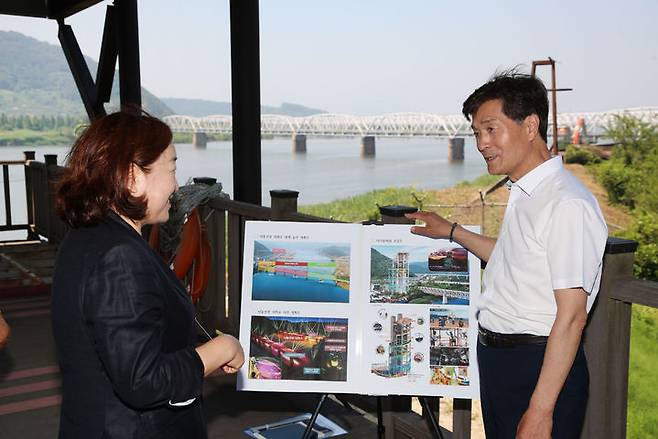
x: 30, y: 384
x: 26, y: 268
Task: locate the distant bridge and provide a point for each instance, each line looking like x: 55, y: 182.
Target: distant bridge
x: 445, y: 294
x: 388, y: 125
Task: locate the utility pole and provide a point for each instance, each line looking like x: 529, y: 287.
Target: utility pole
x: 551, y: 62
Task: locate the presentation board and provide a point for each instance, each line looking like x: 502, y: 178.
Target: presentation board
x: 348, y: 308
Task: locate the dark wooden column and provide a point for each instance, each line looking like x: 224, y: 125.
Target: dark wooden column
x: 128, y: 45
x: 606, y: 342
x: 245, y: 91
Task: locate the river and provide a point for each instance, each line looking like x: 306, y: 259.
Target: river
x: 332, y: 168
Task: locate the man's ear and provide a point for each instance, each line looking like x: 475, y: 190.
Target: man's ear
x: 136, y: 181
x: 531, y: 125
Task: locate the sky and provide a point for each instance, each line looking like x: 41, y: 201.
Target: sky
x: 374, y: 57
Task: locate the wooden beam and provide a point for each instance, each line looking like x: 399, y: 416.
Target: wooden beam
x: 128, y: 46
x: 245, y: 87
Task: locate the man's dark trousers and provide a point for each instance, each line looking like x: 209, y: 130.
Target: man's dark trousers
x: 508, y: 377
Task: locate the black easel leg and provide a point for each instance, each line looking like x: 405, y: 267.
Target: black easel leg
x: 381, y: 431
x: 311, y: 422
x: 430, y: 418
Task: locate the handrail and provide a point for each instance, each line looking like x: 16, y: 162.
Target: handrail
x: 636, y: 291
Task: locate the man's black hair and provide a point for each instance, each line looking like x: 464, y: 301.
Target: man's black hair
x: 521, y: 94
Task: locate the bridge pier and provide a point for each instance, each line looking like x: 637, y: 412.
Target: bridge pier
x: 200, y: 140
x: 299, y: 143
x: 368, y: 146
x: 455, y: 149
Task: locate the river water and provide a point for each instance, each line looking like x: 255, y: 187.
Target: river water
x: 332, y: 168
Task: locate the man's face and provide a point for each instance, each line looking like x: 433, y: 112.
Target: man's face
x: 503, y: 143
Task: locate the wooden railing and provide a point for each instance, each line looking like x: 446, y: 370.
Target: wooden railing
x: 9, y: 223
x: 606, y: 339
x: 39, y: 183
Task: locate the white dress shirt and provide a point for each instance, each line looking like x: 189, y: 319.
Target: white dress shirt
x: 552, y: 237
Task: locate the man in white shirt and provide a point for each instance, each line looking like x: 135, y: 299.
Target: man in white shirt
x: 542, y: 273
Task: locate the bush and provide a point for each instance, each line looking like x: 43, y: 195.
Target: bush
x: 620, y: 181
x: 645, y: 231
x: 580, y: 155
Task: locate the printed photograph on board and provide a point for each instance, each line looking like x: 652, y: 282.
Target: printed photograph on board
x: 301, y: 271
x: 449, y: 337
x: 398, y: 339
x: 419, y: 275
x: 450, y: 376
x: 298, y: 348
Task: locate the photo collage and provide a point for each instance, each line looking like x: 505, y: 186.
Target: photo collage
x: 346, y: 308
x: 421, y: 310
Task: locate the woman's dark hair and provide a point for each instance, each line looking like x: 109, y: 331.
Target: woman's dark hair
x: 96, y: 178
x: 522, y: 95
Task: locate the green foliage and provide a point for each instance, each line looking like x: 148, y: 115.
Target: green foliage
x: 38, y: 81
x: 483, y: 181
x: 364, y: 207
x: 637, y: 139
x: 642, y: 384
x: 620, y: 181
x: 630, y: 178
x: 644, y: 230
x: 62, y: 123
x: 35, y: 138
x: 30, y: 130
x: 583, y: 156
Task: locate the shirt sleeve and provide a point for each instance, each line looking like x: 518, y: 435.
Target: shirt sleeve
x: 575, y: 241
x: 125, y: 308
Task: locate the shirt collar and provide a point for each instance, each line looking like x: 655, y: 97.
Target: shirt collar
x: 531, y: 180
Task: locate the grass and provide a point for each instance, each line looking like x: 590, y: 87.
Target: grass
x: 484, y: 180
x: 364, y: 206
x: 642, y: 382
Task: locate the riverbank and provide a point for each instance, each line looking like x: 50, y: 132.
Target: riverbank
x: 36, y: 138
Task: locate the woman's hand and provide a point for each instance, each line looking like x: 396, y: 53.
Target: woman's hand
x: 223, y: 352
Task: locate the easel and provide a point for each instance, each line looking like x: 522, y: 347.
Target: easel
x: 431, y: 420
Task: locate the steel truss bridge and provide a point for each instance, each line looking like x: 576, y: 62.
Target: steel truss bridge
x: 445, y: 293
x: 390, y: 125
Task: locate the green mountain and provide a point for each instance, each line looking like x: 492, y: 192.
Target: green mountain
x: 35, y: 79
x: 379, y: 264
x: 201, y: 107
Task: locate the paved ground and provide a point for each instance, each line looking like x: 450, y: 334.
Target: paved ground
x: 30, y: 387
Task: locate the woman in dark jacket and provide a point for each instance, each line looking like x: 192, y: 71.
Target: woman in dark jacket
x: 123, y: 323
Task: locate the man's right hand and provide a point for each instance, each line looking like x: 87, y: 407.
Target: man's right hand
x: 439, y: 228
x: 435, y: 226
